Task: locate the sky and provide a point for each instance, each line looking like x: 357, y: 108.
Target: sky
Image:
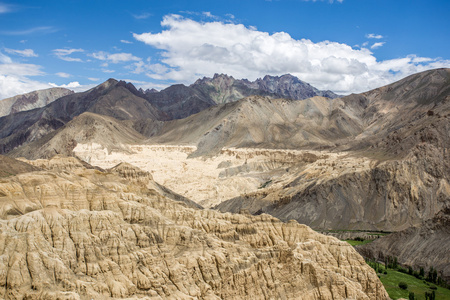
x: 347, y: 46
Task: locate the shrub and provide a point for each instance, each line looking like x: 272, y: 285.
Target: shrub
x: 411, y: 296
x: 403, y: 285
x: 385, y: 272
x: 433, y: 287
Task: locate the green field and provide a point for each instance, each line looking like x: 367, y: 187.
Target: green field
x: 356, y: 243
x: 417, y: 286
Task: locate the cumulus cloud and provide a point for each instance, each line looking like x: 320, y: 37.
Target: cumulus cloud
x: 115, y: 58
x: 14, y: 77
x: 192, y: 49
x: 377, y: 45
x: 70, y: 85
x: 15, y: 85
x: 24, y: 53
x: 374, y: 36
x: 63, y: 54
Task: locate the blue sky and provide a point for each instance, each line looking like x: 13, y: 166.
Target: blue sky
x: 342, y: 45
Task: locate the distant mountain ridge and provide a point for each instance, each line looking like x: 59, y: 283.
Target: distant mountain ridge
x: 123, y: 101
x: 286, y: 86
x: 113, y: 98
x: 180, y: 101
x: 31, y: 100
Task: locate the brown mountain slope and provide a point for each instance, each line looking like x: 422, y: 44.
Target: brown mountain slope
x: 265, y: 123
x: 112, y: 98
x: 401, y: 115
x: 404, y: 139
x: 10, y: 166
x: 355, y: 192
x: 90, y: 234
x: 422, y: 246
x: 180, y: 101
x: 31, y: 100
x: 99, y: 130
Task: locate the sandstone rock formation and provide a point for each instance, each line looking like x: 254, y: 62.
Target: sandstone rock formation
x: 71, y: 232
x: 31, y: 100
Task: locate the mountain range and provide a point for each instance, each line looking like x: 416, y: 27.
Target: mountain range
x: 378, y: 160
x: 123, y: 101
x: 181, y: 101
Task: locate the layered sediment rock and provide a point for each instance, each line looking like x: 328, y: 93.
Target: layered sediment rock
x: 79, y: 233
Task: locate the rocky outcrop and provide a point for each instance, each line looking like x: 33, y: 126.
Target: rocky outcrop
x: 82, y: 233
x: 423, y: 246
x: 31, y: 100
x: 223, y: 88
x: 357, y: 193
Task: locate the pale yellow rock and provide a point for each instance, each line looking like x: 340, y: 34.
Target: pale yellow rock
x: 80, y: 233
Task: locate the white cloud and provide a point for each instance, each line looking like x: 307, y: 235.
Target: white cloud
x: 209, y: 15
x: 115, y: 58
x: 11, y: 85
x: 70, y: 85
x: 14, y: 77
x: 374, y: 36
x: 147, y: 85
x: 4, y: 59
x: 24, y: 53
x: 17, y: 69
x: 63, y: 75
x: 64, y: 54
x: 193, y: 49
x: 126, y: 42
x: 93, y: 79
x: 377, y: 45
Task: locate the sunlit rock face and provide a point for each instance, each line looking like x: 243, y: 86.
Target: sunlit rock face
x: 71, y: 231
x: 31, y: 100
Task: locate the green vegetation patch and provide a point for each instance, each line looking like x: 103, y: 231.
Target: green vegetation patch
x: 392, y: 279
x: 356, y: 243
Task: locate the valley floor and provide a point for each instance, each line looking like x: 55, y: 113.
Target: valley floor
x: 210, y: 181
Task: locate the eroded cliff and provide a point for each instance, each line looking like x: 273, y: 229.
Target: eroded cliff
x: 71, y: 232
